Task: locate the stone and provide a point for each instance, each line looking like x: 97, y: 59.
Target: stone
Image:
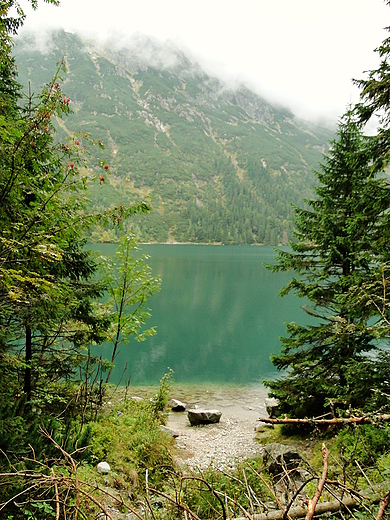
x: 169, y: 431
x: 263, y: 427
x: 279, y: 457
x: 136, y: 398
x: 176, y: 406
x: 199, y: 416
x: 272, y: 407
x: 103, y: 467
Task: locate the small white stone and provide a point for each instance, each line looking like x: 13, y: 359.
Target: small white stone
x: 103, y: 467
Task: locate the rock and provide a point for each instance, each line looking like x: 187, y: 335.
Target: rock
x: 272, y: 407
x: 263, y: 427
x: 103, y: 467
x: 200, y: 416
x: 278, y: 456
x: 176, y: 406
x: 169, y: 431
x: 136, y: 398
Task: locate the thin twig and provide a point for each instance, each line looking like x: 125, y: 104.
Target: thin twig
x: 56, y: 495
x: 364, y: 475
x: 296, y: 494
x: 236, y: 504
x: 249, y: 493
x: 69, y: 457
x: 269, y: 488
x: 178, y: 504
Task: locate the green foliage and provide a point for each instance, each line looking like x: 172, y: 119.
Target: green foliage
x: 48, y: 287
x: 366, y: 443
x: 39, y: 510
x: 340, y: 242
x: 375, y: 103
x: 160, y: 400
x: 129, y: 284
x: 220, y: 166
x: 127, y: 435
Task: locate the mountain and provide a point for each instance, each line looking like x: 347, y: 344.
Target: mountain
x: 221, y: 164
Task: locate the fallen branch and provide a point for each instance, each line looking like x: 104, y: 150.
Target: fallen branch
x: 325, y: 507
x: 384, y: 503
x: 321, y: 482
x: 328, y: 422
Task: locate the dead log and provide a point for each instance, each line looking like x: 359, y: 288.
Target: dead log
x: 320, y: 509
x: 328, y: 507
x: 328, y: 422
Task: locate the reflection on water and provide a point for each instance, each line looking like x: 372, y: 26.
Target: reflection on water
x: 218, y: 316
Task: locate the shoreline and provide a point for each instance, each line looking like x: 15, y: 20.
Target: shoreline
x: 173, y: 243
x: 243, y: 402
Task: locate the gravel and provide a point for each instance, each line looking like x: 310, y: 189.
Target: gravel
x: 232, y: 439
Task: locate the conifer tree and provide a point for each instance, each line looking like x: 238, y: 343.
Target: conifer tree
x: 341, y: 238
x: 47, y: 278
x: 375, y: 103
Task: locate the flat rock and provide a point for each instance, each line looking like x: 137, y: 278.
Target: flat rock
x: 176, y: 405
x: 169, y: 431
x: 200, y: 416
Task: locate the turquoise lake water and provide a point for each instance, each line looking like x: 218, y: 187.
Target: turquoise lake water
x: 218, y: 316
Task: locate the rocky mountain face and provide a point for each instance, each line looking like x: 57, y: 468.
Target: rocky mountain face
x: 220, y: 164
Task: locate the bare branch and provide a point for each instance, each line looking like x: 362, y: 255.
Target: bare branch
x: 384, y: 503
x: 328, y: 422
x: 321, y: 482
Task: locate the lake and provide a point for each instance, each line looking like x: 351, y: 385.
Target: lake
x: 218, y: 316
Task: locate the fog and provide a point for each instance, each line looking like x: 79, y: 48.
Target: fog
x: 301, y: 54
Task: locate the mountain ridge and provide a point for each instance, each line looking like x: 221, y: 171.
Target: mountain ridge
x: 222, y: 165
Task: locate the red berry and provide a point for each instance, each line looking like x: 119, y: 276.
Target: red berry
x: 102, y: 179
x: 57, y: 85
x: 66, y: 147
x: 77, y: 142
x: 106, y: 167
x: 71, y: 165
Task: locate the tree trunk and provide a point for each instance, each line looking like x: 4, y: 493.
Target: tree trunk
x: 328, y: 422
x: 27, y: 372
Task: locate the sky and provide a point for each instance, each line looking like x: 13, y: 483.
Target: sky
x: 301, y: 54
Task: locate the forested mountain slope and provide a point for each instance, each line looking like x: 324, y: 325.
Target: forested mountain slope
x: 221, y: 164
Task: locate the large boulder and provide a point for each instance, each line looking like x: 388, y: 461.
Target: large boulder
x: 199, y: 416
x: 278, y: 458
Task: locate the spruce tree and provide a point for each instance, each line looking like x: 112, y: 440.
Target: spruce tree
x: 375, y: 103
x: 340, y: 239
x: 48, y: 281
